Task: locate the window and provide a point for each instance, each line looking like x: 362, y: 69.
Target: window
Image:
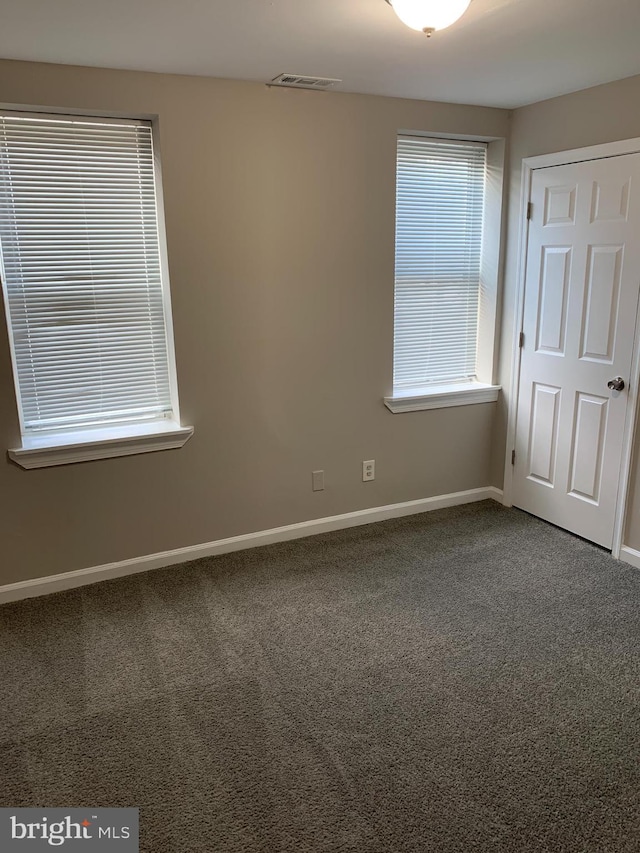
x: 85, y: 289
x: 440, y: 213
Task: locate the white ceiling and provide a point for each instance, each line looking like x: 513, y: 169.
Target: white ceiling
x: 502, y: 53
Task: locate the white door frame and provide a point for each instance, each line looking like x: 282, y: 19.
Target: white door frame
x: 529, y: 165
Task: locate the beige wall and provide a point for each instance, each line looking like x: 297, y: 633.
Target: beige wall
x: 591, y: 117
x: 280, y: 228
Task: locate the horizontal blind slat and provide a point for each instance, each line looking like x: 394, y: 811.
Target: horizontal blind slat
x: 82, y: 270
x: 439, y: 217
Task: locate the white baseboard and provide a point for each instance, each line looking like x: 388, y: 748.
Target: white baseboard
x: 631, y: 556
x: 81, y: 577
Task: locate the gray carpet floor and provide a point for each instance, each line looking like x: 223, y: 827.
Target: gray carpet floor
x: 464, y: 680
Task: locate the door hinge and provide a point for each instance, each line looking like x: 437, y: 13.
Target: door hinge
x: 521, y: 340
x: 513, y: 457
x: 530, y: 210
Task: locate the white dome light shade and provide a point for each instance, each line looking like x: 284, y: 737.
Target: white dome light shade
x: 428, y: 15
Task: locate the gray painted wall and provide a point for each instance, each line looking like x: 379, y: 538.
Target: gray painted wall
x: 590, y: 117
x: 280, y: 228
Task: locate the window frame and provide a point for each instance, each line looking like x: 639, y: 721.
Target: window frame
x: 108, y: 440
x: 484, y: 388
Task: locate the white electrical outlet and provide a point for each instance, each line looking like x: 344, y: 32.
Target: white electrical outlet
x: 368, y: 470
x: 317, y: 481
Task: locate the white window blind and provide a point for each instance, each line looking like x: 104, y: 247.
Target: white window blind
x: 439, y: 217
x: 81, y: 271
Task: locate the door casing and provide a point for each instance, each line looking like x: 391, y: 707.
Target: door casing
x: 529, y: 165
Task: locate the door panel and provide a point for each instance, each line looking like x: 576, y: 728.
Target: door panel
x: 560, y: 205
x: 543, y: 436
x: 554, y: 292
x: 604, y: 268
x: 581, y: 299
x: 610, y: 201
x: 587, y: 450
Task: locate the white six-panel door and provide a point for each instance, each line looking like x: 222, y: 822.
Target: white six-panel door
x: 581, y: 299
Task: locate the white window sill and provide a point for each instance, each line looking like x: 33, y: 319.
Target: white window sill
x: 442, y: 397
x: 43, y: 451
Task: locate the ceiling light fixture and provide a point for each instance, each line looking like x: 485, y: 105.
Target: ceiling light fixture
x: 429, y: 15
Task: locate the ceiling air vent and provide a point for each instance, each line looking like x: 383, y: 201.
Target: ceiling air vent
x: 300, y: 81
